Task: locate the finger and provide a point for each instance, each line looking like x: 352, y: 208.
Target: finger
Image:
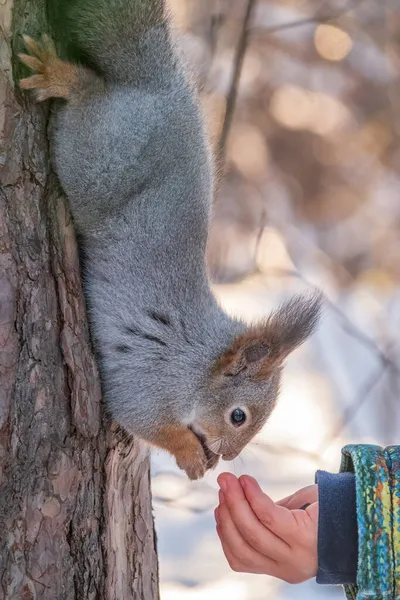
x: 247, y: 523
x: 216, y: 511
x: 234, y: 563
x: 307, y: 495
x: 277, y: 519
x: 240, y: 555
x: 216, y: 516
x: 30, y: 61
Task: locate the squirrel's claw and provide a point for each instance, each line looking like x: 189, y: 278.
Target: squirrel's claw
x: 42, y: 49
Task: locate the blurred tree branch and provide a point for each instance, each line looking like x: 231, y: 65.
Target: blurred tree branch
x: 233, y: 89
x: 246, y: 31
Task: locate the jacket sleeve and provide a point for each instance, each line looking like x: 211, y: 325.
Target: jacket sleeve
x: 337, y: 528
x: 377, y: 475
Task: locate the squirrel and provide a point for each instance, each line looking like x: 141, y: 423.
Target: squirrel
x: 130, y: 149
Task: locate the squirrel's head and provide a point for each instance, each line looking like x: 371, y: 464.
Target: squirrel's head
x: 245, y: 378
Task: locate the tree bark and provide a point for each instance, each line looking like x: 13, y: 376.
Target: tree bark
x: 75, y: 505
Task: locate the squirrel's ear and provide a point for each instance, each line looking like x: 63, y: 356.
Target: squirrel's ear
x: 261, y: 349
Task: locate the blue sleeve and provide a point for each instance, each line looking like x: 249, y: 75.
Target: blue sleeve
x: 337, y: 528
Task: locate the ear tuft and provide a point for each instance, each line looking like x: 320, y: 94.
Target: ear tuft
x: 295, y: 321
x: 261, y: 349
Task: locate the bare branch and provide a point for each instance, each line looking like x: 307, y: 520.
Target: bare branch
x: 246, y: 31
x: 233, y: 88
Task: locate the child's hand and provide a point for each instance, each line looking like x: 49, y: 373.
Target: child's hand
x: 259, y: 536
x: 301, y: 498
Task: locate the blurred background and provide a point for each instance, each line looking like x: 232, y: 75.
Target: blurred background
x: 302, y: 99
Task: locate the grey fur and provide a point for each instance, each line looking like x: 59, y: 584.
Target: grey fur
x: 136, y: 166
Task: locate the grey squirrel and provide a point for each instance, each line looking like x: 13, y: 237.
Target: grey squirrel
x: 130, y: 149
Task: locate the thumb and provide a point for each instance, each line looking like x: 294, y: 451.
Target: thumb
x: 313, y: 511
x: 307, y: 495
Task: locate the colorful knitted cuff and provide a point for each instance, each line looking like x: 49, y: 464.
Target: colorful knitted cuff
x: 374, y: 485
x: 393, y: 453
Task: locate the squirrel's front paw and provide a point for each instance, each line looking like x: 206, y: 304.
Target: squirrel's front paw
x: 193, y: 460
x: 191, y: 452
x: 55, y: 78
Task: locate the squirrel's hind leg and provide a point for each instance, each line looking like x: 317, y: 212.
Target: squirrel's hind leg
x: 56, y: 78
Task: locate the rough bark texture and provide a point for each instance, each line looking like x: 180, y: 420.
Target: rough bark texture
x: 75, y: 505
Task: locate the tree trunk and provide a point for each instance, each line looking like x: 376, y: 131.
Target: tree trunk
x: 75, y: 505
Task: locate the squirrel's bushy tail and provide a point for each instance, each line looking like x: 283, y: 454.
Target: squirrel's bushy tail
x: 125, y: 40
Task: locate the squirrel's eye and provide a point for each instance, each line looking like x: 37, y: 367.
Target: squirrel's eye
x: 238, y: 417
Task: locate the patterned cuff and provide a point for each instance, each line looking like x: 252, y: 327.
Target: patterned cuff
x: 376, y: 486
x: 393, y: 453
